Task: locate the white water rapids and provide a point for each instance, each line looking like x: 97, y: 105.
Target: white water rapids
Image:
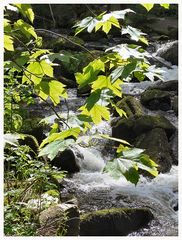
x: 95, y: 190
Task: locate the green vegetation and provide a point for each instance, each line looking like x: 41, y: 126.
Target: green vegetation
x: 28, y: 73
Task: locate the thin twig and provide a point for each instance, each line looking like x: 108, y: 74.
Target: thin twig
x: 61, y: 119
x: 67, y: 39
x: 52, y: 15
x: 90, y: 10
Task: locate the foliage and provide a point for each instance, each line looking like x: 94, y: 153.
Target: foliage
x: 29, y: 73
x: 128, y: 163
x: 149, y: 6
x: 25, y: 177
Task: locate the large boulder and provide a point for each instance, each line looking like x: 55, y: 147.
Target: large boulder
x: 114, y: 222
x: 69, y: 160
x: 169, y: 52
x: 171, y: 85
x: 131, y: 106
x: 133, y: 127
x: 157, y: 147
x: 155, y: 99
x: 59, y: 220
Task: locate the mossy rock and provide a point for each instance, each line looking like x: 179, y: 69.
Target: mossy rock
x: 60, y: 43
x: 156, y: 99
x: 134, y: 126
x: 170, y: 86
x: 157, y: 147
x: 59, y: 220
x: 131, y: 106
x: 114, y: 221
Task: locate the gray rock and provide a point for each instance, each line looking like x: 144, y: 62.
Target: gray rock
x: 155, y: 99
x: 169, y: 52
x: 175, y: 104
x: 114, y: 222
x: 69, y: 160
x: 59, y: 220
x: 157, y: 147
x: 132, y: 127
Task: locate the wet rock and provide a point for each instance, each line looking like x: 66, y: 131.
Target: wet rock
x: 174, y: 147
x: 68, y: 160
x: 157, y: 147
x: 155, y: 99
x: 114, y: 221
x: 68, y: 82
x: 132, y: 127
x: 169, y: 52
x: 84, y: 91
x: 131, y: 106
x: 167, y: 26
x: 171, y: 85
x: 59, y: 43
x: 60, y: 220
x: 175, y: 104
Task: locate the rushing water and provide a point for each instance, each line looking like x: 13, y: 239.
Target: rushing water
x: 96, y: 190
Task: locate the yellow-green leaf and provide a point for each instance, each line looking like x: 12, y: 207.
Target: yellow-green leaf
x: 46, y: 68
x: 26, y: 11
x: 74, y: 132
x: 25, y: 28
x: 8, y: 43
x: 147, y: 6
x: 165, y: 5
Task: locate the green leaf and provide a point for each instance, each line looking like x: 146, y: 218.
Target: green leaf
x: 148, y: 6
x: 114, y: 139
x: 132, y: 153
x: 92, y: 99
x: 165, y: 5
x: 33, y: 73
x: 26, y: 11
x: 132, y: 175
x: 38, y: 53
x: 72, y: 132
x: 128, y: 69
x: 126, y: 51
x: 17, y: 121
x: 96, y: 113
x: 106, y: 25
x: 53, y: 89
x: 25, y: 28
x: 87, y: 23
x: 53, y: 148
x: 90, y: 72
x: 7, y: 25
x: 47, y: 69
x: 153, y: 72
x: 12, y: 138
x: 135, y: 34
x: 120, y: 111
x: 8, y: 43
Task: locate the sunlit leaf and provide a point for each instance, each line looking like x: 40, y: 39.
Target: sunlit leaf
x: 148, y: 6
x: 26, y: 11
x: 135, y: 34
x: 74, y: 132
x: 53, y: 148
x: 25, y: 28
x: 165, y: 5
x: 8, y: 43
